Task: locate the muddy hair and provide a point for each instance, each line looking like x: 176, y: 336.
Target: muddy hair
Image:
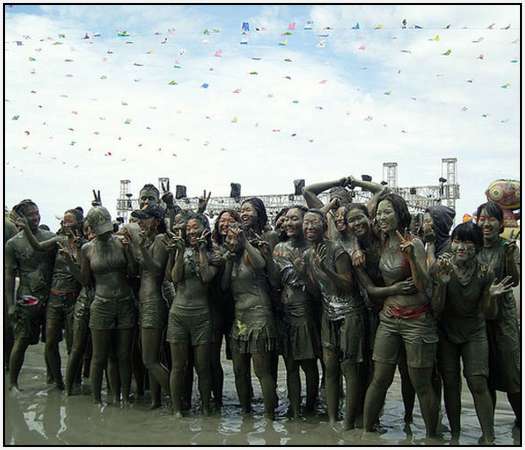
x: 469, y: 231
x: 322, y: 215
x: 21, y: 207
x: 203, y: 220
x: 493, y: 210
x: 216, y: 236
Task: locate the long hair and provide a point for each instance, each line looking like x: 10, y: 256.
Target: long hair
x: 400, y: 207
x: 78, y: 212
x: 443, y: 219
x: 262, y: 217
x: 216, y: 235
x: 21, y: 207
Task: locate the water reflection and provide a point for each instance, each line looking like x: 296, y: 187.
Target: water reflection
x: 45, y: 416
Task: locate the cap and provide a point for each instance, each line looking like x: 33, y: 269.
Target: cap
x: 149, y: 212
x: 99, y: 219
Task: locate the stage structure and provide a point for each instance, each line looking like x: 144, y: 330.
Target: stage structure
x: 418, y: 198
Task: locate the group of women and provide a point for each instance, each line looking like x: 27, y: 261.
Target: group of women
x: 358, y: 287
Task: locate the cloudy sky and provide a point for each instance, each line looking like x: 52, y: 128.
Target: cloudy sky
x: 305, y: 95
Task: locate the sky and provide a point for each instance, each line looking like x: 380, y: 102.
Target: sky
x: 96, y: 94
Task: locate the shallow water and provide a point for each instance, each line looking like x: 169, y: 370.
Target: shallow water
x: 42, y: 415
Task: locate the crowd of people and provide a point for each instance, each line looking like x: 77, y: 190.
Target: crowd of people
x: 342, y: 291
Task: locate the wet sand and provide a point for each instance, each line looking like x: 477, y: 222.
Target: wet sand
x: 41, y: 415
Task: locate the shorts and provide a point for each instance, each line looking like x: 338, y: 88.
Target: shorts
x: 474, y: 354
x: 257, y: 337
x: 345, y: 336
x: 61, y: 308
x: 112, y: 313
x: 188, y: 329
x: 153, y: 314
x: 28, y: 322
x: 419, y: 337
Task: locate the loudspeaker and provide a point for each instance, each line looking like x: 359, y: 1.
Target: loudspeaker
x: 366, y: 178
x: 180, y: 191
x: 298, y: 186
x: 235, y: 191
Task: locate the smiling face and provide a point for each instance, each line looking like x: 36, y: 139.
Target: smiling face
x: 225, y: 221
x: 463, y: 251
x: 249, y: 215
x: 340, y: 219
x: 490, y: 225
x: 358, y: 222
x: 194, y: 231
x: 313, y: 227
x: 386, y: 217
x: 293, y: 224
x: 69, y: 222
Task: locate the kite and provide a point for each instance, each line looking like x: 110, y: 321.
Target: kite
x: 378, y: 27
x: 514, y: 61
x: 204, y: 85
x: 448, y: 52
x: 505, y: 86
x: 481, y: 57
x: 446, y: 27
x: 172, y: 83
x: 291, y: 26
x: 236, y: 91
x: 404, y: 24
x: 323, y: 81
x: 254, y: 73
x: 218, y: 53
x: 491, y: 26
x: 123, y: 34
x: 308, y: 25
x: 283, y: 43
x: 406, y: 51
x: 356, y: 26
x: 244, y: 42
x: 361, y: 47
x: 245, y: 26
x: 288, y: 60
x: 478, y: 40
x: 505, y: 28
x: 435, y: 38
x: 15, y: 117
x: 387, y: 92
x: 127, y: 121
x: 417, y: 27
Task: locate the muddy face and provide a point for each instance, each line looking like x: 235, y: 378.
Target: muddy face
x: 248, y: 215
x: 313, y: 227
x: 293, y: 225
x: 194, y: 231
x: 358, y: 222
x: 225, y: 221
x: 340, y: 219
x: 386, y: 217
x: 490, y: 226
x: 463, y: 251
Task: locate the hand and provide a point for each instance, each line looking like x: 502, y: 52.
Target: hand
x: 239, y: 233
x: 343, y: 181
x: 263, y: 246
x: 174, y: 241
x: 20, y: 221
x: 202, y: 242
x: 126, y: 238
x: 358, y: 258
x: 405, y: 287
x: 406, y: 244
x: 228, y: 256
x: 203, y: 202
x: 444, y: 269
x: 350, y: 180
x: 319, y: 258
x: 167, y: 196
x: 97, y: 200
x: 333, y: 204
x: 504, y: 286
x: 65, y: 252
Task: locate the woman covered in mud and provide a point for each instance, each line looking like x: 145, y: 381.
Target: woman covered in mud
x: 502, y: 258
x: 464, y: 295
x: 222, y: 302
x: 331, y: 276
x: 151, y: 254
x: 80, y: 323
x: 437, y: 222
x: 65, y: 284
x: 406, y: 318
x: 106, y: 262
x: 189, y: 322
x: 254, y: 333
x: 302, y: 343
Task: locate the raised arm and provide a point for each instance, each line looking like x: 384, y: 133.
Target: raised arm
x: 311, y: 192
x: 415, y: 252
x: 49, y: 244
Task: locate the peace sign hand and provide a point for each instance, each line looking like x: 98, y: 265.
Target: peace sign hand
x: 406, y: 243
x: 504, y: 286
x: 167, y: 196
x: 203, y: 240
x: 203, y: 202
x: 97, y: 199
x: 65, y: 252
x: 444, y: 269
